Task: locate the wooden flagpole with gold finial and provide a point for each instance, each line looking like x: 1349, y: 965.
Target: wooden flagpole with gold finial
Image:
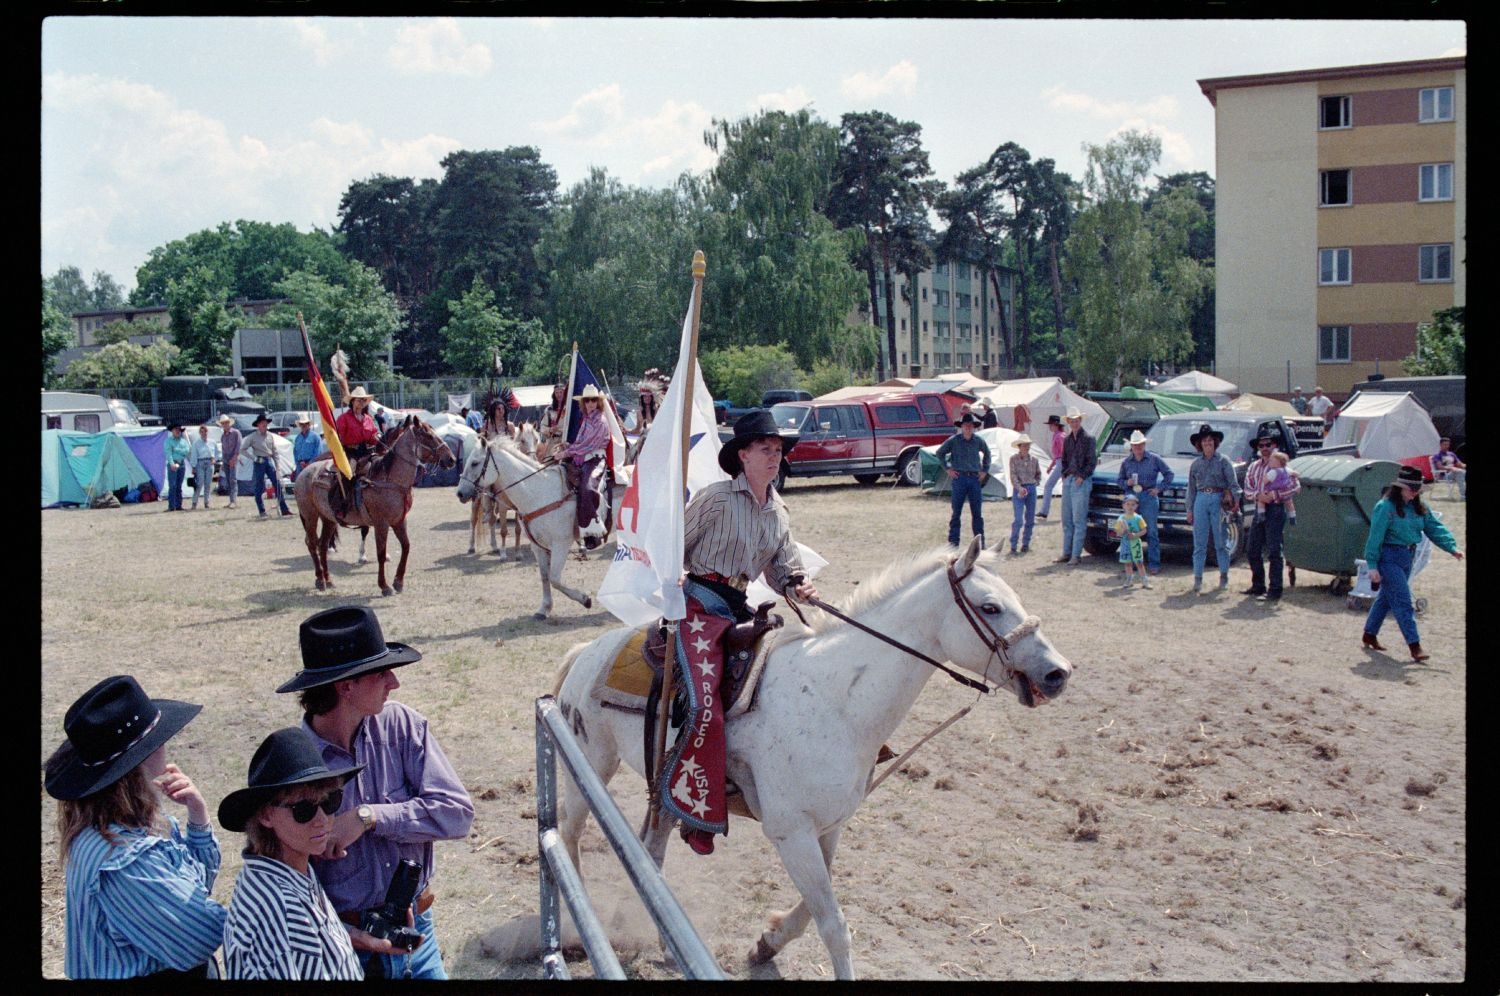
x: 685, y: 380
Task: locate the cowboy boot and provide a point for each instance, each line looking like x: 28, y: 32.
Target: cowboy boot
x: 1417, y: 653
x: 1368, y: 639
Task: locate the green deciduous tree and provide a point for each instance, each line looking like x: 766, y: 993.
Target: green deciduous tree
x: 122, y: 364
x: 358, y: 316
x: 1440, y: 346
x: 479, y: 330
x: 245, y: 259
x: 201, y: 321
x: 1136, y: 283
x: 70, y: 291
x: 57, y: 332
x: 742, y: 374
x: 1200, y: 246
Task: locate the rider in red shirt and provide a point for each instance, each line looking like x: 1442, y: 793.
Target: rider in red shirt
x: 358, y: 433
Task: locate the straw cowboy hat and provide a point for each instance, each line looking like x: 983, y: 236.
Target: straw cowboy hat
x: 304, y: 420
x: 113, y: 727
x: 1073, y: 414
x: 1206, y: 430
x: 753, y: 425
x: 1021, y: 440
x: 345, y: 643
x: 1137, y: 439
x: 590, y: 392
x: 287, y: 757
x: 225, y: 420
x: 360, y: 392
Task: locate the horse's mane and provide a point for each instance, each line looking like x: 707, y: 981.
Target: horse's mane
x: 892, y: 580
x: 514, y: 447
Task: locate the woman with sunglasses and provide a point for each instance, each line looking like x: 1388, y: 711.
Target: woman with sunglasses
x: 137, y: 899
x: 281, y: 924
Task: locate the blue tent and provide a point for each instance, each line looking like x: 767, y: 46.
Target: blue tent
x: 80, y: 466
x: 150, y: 447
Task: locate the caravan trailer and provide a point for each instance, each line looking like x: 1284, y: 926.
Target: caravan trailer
x: 77, y: 412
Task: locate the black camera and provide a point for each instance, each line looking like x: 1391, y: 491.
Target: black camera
x: 388, y: 920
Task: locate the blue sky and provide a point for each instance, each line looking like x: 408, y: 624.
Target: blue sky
x: 153, y: 128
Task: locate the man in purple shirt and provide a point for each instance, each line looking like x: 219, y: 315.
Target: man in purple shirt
x: 229, y: 453
x: 407, y: 796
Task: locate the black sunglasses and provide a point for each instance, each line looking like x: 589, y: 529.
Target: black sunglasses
x: 1266, y: 446
x: 305, y: 810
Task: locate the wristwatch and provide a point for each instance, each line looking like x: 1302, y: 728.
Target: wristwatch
x: 366, y: 816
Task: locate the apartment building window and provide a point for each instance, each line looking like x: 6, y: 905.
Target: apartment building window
x: 1335, y: 187
x: 1435, y: 104
x: 924, y: 326
x: 1333, y: 344
x: 942, y: 298
x: 903, y: 359
x: 1334, y: 112
x: 924, y: 293
x: 924, y: 359
x: 1435, y: 264
x: 1333, y: 266
x: 963, y: 330
x: 903, y: 329
x: 962, y: 300
x: 940, y: 329
x: 963, y: 271
x: 1435, y: 182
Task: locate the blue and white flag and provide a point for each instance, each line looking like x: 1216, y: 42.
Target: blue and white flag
x: 579, y: 377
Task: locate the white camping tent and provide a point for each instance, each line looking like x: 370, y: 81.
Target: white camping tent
x: 1198, y: 382
x: 996, y: 487
x: 1386, y: 427
x: 1024, y: 405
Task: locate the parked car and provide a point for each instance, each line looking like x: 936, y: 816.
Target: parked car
x: 126, y: 412
x: 193, y: 400
x: 866, y: 437
x: 781, y: 396
x: 285, y: 423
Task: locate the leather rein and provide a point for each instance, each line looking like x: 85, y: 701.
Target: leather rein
x: 526, y: 517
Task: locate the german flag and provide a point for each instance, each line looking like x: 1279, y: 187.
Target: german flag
x: 325, y: 405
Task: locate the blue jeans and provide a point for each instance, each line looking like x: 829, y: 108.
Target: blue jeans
x: 1024, y: 508
x: 1208, y: 520
x: 203, y: 481
x: 1394, y: 594
x: 174, y: 484
x: 1075, y: 515
x: 263, y: 469
x: 1150, y: 510
x: 424, y: 963
x: 1051, y: 483
x: 966, y: 489
x: 1264, y: 542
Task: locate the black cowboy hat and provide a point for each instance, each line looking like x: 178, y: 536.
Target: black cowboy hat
x: 113, y: 727
x: 967, y: 418
x: 262, y: 417
x: 1054, y: 420
x: 1409, y: 476
x: 287, y: 757
x: 345, y: 643
x: 1206, y: 430
x: 1267, y: 437
x: 758, y: 423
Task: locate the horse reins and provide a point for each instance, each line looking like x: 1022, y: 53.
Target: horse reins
x: 526, y: 517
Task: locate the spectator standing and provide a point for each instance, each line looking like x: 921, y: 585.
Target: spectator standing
x: 474, y: 419
x: 1146, y: 475
x: 262, y: 449
x: 1270, y: 487
x: 1055, y: 447
x: 1397, y: 524
x: 1446, y: 466
x: 1025, y: 473
x: 407, y: 797
x: 177, y: 449
x: 137, y: 902
x: 1212, y: 490
x: 967, y: 459
x: 1131, y: 527
x: 1320, y: 405
x: 229, y: 456
x: 987, y: 417
x: 1079, y: 459
x: 201, y: 456
x: 1299, y: 401
x: 307, y: 445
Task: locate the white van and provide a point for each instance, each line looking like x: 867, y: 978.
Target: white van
x: 77, y: 412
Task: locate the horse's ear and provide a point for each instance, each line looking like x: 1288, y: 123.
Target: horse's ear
x: 966, y: 562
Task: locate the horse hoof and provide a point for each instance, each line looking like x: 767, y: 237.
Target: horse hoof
x: 361, y: 561
x: 588, y: 603
x: 400, y: 587
x: 762, y: 953
x: 320, y: 585
x: 539, y: 615
x: 471, y: 549
x: 385, y: 591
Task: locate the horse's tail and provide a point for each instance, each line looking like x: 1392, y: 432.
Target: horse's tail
x: 567, y: 665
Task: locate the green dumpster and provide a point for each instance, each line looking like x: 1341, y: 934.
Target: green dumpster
x: 1334, y: 507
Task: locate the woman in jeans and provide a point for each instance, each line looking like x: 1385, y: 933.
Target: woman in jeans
x: 1210, y: 480
x: 1397, y: 525
x: 201, y: 456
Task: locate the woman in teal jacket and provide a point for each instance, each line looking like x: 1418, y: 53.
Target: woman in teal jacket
x: 1399, y: 522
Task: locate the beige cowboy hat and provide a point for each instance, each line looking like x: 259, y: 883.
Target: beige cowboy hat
x: 1137, y: 439
x: 1022, y: 440
x: 304, y: 420
x: 225, y: 420
x: 590, y: 392
x: 360, y: 392
x: 1073, y: 415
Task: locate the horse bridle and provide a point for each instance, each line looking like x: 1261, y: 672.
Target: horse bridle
x: 998, y: 646
x: 489, y: 457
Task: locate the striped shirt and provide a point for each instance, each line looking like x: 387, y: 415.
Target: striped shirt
x: 1024, y: 470
x: 282, y: 926
x: 1255, y: 483
x: 725, y: 532
x: 593, y: 434
x: 229, y: 442
x: 143, y: 905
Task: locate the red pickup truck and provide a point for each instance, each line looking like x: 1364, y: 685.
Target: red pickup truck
x: 867, y: 436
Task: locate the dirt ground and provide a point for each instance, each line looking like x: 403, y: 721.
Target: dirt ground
x: 1226, y: 791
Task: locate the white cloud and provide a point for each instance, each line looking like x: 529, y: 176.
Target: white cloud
x: 791, y: 99
x: 589, y: 117
x: 899, y: 79
x: 663, y: 144
x: 312, y: 37
x: 1065, y: 101
x: 437, y: 46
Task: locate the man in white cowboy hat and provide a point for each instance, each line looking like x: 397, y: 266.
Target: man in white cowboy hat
x: 407, y: 797
x: 733, y: 532
x: 1025, y: 477
x: 581, y: 456
x: 1146, y: 475
x: 1078, y: 462
x: 262, y: 449
x: 360, y: 437
x: 307, y: 445
x: 966, y: 458
x: 229, y: 454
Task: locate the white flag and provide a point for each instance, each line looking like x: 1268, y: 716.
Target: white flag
x: 641, y: 585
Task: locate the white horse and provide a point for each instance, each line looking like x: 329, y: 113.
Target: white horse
x: 540, y: 494
x: 830, y: 697
x: 493, y: 508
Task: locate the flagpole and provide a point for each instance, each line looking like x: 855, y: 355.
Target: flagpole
x: 686, y: 379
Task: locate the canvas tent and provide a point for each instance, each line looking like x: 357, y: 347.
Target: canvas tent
x: 1260, y: 403
x: 78, y: 467
x: 1387, y: 427
x: 462, y: 441
x: 1198, y: 382
x: 1023, y: 405
x: 1168, y: 403
x: 150, y: 447
x: 996, y: 487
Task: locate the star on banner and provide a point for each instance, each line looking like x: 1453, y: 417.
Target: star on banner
x: 700, y: 805
x: 696, y: 625
x: 706, y: 665
x: 701, y: 645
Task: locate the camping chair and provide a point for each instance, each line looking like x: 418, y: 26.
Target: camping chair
x: 1448, y: 477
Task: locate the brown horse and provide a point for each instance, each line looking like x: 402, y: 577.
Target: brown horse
x: 385, y: 500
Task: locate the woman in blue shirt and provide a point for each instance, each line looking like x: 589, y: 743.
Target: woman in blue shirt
x: 138, y: 901
x: 1397, y: 525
